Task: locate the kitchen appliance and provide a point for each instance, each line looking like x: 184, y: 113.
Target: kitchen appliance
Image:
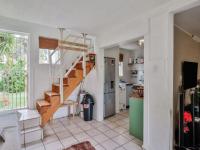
x: 109, y: 87
x: 125, y: 90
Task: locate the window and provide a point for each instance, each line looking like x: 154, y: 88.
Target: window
x: 44, y: 56
x: 13, y: 70
x: 121, y: 69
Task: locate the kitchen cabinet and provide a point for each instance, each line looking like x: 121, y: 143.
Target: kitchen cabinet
x: 136, y: 117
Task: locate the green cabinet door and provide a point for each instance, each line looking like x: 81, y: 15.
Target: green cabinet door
x: 136, y: 117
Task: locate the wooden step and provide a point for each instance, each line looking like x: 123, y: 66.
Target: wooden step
x: 49, y: 95
x: 42, y: 106
x: 43, y: 103
x: 79, y: 66
x: 72, y: 73
x: 56, y: 87
x: 65, y: 80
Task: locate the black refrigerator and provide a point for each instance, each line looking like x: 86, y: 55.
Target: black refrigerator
x: 109, y: 87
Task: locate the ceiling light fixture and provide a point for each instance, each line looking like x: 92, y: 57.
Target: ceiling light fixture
x: 141, y: 42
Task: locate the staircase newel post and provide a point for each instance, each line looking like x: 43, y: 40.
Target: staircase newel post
x: 61, y: 66
x: 84, y: 56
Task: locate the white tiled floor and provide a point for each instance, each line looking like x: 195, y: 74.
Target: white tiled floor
x: 110, y: 134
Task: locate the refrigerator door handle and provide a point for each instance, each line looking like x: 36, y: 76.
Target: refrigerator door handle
x: 112, y: 84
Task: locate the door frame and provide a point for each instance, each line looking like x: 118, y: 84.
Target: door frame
x: 146, y: 81
x: 28, y: 63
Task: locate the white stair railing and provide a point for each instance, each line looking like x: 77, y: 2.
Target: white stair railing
x: 59, y: 62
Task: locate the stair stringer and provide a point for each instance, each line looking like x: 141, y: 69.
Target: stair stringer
x: 46, y: 116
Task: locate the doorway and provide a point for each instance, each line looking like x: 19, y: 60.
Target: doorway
x: 186, y: 102
x: 129, y: 87
x: 13, y: 70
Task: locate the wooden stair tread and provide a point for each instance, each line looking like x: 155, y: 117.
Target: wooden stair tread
x: 43, y: 103
x: 50, y: 93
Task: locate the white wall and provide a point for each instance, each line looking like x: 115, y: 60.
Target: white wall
x: 157, y: 28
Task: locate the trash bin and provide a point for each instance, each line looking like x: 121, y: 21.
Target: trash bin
x: 88, y: 103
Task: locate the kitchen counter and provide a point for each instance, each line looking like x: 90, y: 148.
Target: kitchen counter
x: 136, y: 117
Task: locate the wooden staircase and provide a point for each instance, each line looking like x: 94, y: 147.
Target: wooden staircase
x: 51, y: 102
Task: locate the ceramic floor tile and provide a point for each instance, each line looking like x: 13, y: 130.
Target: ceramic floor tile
x: 76, y: 131
x: 82, y: 123
x: 56, y: 125
x: 34, y: 145
x: 70, y: 131
x: 137, y: 141
x: 86, y: 127
x: 64, y: 134
x: 71, y: 126
x: 66, y: 123
x: 103, y: 128
x: 113, y: 119
x: 131, y: 146
x: 111, y: 133
x: 93, y: 132
x: 97, y: 124
x: 120, y: 148
x: 128, y: 135
x: 120, y: 130
x: 59, y: 129
x: 126, y: 120
x: 36, y: 148
x: 126, y: 126
x: 120, y: 140
x: 67, y: 142
x: 120, y: 122
x: 47, y: 127
x: 91, y: 122
x: 54, y: 146
x: 99, y: 147
x: 119, y: 117
x: 106, y: 122
x: 50, y: 139
x: 81, y: 136
x: 48, y: 132
x: 112, y: 125
x: 100, y: 138
x: 92, y: 141
x: 109, y: 145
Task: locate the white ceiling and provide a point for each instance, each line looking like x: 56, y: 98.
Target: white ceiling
x: 189, y: 20
x: 130, y: 45
x: 91, y: 16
